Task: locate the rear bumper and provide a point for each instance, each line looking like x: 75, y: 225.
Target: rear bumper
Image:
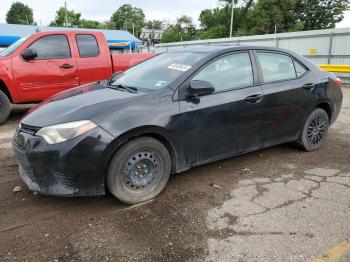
x: 338, y: 105
x: 71, y: 168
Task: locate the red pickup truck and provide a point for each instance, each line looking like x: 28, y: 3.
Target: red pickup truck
x: 45, y: 63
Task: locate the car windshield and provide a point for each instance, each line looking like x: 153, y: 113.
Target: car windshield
x: 157, y: 72
x: 12, y: 48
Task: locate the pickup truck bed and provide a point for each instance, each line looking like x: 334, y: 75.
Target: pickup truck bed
x: 122, y: 62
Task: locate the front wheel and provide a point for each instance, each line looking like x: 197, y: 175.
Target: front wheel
x: 139, y: 170
x: 315, y: 130
x: 4, y: 107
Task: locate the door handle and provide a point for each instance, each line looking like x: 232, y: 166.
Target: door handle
x: 66, y: 66
x: 309, y: 86
x: 253, y: 99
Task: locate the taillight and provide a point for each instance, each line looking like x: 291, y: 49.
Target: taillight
x: 338, y: 82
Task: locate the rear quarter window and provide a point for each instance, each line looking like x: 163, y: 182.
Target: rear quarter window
x: 299, y: 69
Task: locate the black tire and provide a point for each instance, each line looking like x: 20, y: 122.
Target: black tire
x: 139, y: 170
x: 5, y: 107
x: 315, y: 130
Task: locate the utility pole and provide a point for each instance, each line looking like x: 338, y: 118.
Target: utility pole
x: 232, y: 7
x: 275, y: 36
x: 65, y: 14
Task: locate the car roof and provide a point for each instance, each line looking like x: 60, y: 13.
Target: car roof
x: 201, y: 49
x: 219, y: 49
x: 74, y: 32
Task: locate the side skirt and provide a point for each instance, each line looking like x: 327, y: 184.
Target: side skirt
x: 290, y: 139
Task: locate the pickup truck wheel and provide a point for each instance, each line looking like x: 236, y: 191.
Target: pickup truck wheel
x: 315, y: 130
x: 139, y: 170
x: 4, y: 107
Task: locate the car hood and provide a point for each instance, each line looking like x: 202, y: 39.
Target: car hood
x: 81, y: 103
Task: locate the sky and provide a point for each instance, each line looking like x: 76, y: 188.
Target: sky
x: 102, y: 10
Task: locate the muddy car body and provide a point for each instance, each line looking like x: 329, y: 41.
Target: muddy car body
x: 180, y: 109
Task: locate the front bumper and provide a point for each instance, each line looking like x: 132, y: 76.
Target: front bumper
x: 72, y: 168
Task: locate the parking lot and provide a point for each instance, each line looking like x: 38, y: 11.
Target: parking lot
x: 277, y: 204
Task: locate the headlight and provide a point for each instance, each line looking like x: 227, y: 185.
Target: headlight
x: 63, y: 132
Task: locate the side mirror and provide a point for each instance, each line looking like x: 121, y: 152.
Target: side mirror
x: 29, y: 54
x: 201, y: 88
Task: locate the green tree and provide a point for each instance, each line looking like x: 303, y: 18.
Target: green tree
x: 108, y: 25
x: 91, y: 24
x: 263, y: 16
x: 216, y: 22
x: 294, y: 15
x: 171, y: 35
x: 129, y: 18
x: 154, y: 24
x: 321, y: 14
x: 183, y: 29
x: 269, y: 14
x: 20, y: 14
x: 73, y: 18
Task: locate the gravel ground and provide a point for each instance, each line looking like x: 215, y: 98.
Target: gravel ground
x: 277, y: 204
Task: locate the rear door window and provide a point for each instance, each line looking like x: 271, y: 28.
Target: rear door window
x: 87, y: 45
x: 52, y: 47
x: 276, y: 66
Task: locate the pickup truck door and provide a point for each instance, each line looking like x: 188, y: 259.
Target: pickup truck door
x: 52, y: 71
x: 94, y: 59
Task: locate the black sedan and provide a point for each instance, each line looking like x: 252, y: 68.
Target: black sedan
x: 177, y: 110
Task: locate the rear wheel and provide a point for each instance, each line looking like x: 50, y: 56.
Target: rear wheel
x: 315, y: 130
x: 4, y: 107
x: 139, y: 170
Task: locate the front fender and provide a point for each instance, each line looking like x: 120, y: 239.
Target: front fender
x: 170, y: 141
x: 7, y: 80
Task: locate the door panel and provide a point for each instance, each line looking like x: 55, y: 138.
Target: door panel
x: 229, y: 120
x: 53, y: 71
x: 94, y: 62
x: 221, y: 124
x: 286, y: 105
x: 288, y: 100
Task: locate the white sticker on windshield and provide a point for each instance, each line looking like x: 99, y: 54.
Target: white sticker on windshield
x: 160, y: 83
x: 180, y: 67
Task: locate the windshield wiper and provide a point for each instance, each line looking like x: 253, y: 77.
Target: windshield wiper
x: 128, y: 88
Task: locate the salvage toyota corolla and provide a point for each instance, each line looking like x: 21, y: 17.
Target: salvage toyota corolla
x: 167, y: 114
